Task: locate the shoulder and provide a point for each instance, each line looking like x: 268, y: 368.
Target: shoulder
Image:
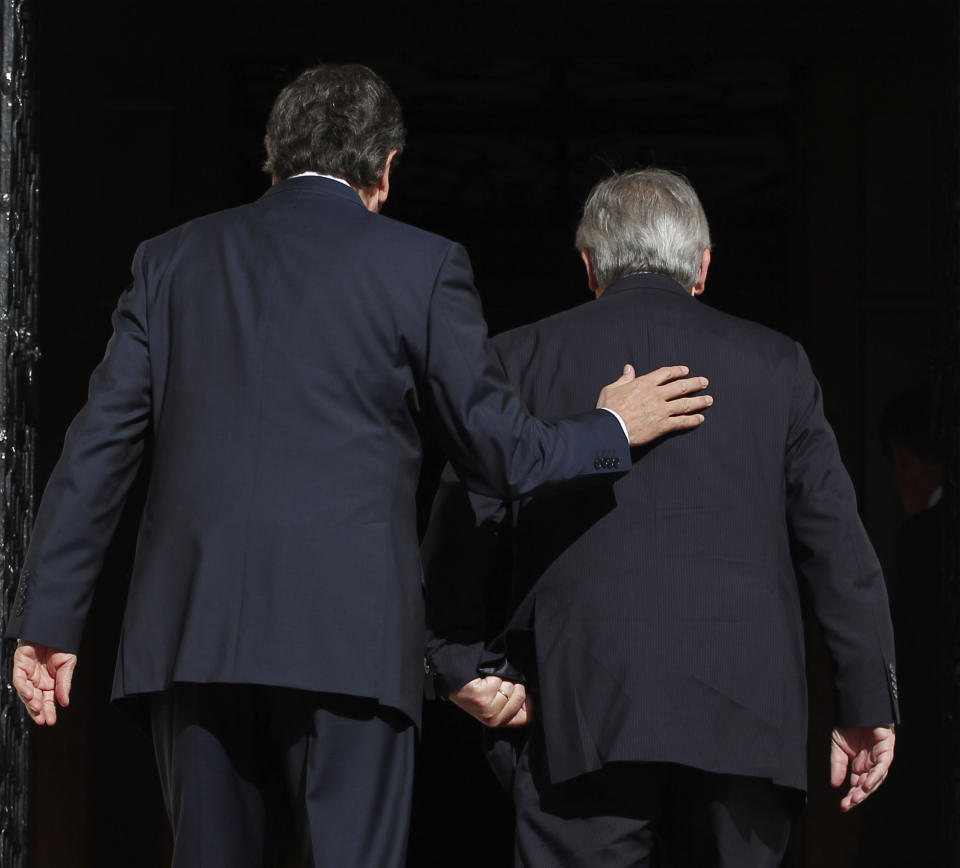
x: 573, y: 318
x: 393, y: 240
x: 518, y: 347
x: 640, y: 319
x: 199, y: 228
x: 522, y: 338
x: 752, y: 334
x: 388, y: 227
x: 407, y: 246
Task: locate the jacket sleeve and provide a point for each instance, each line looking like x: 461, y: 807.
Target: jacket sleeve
x: 836, y: 560
x: 496, y: 446
x: 84, y: 497
x: 459, y: 555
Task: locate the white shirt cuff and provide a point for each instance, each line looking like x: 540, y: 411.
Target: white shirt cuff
x: 619, y: 418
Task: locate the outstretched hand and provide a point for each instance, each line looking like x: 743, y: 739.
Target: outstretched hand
x: 494, y: 702
x: 42, y: 678
x: 656, y: 403
x: 867, y: 752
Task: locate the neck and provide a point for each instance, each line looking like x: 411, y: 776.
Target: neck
x: 370, y: 196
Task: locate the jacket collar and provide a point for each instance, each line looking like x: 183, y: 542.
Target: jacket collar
x: 315, y: 185
x: 643, y: 280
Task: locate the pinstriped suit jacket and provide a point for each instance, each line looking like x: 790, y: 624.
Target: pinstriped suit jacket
x: 666, y: 609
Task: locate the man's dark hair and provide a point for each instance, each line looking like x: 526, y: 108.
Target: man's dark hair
x: 336, y: 120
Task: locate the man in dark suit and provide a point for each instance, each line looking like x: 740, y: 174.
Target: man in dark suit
x: 657, y: 622
x: 279, y: 358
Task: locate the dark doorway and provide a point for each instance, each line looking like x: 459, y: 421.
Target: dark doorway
x: 814, y: 135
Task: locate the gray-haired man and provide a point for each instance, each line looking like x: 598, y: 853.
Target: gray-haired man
x: 658, y: 622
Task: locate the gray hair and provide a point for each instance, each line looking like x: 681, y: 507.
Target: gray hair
x: 644, y: 220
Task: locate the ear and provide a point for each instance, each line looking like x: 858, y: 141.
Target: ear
x: 383, y: 188
x: 701, y: 283
x: 376, y: 194
x: 591, y: 277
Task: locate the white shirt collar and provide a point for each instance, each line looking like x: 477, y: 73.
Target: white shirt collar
x: 318, y: 175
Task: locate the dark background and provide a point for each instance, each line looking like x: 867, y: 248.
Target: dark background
x: 816, y: 134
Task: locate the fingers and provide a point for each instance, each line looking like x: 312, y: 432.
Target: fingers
x: 524, y: 716
x: 871, y: 752
x: 30, y: 678
x: 666, y: 374
x: 493, y: 701
x: 32, y: 700
x: 875, y: 763
x: 36, y: 711
x: 684, y: 406
x: 21, y: 682
x: 481, y: 698
x: 42, y: 677
x: 678, y: 388
x: 518, y: 720
x: 681, y: 423
x: 873, y: 780
x: 513, y: 697
x: 684, y: 413
x: 658, y: 403
x: 49, y: 710
x: 865, y: 787
x: 38, y: 703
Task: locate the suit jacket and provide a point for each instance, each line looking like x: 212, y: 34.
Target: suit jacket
x: 281, y: 356
x: 665, y: 610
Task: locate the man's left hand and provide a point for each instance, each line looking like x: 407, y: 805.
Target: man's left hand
x: 493, y: 701
x: 867, y: 752
x: 42, y: 678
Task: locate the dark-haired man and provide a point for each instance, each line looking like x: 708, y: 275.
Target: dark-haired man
x: 279, y: 356
x: 658, y: 620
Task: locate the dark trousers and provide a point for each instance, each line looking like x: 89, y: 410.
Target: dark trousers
x: 655, y: 815
x: 244, y: 768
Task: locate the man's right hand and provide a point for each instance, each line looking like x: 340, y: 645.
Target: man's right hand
x: 493, y: 701
x: 656, y: 403
x: 866, y: 752
x: 42, y: 678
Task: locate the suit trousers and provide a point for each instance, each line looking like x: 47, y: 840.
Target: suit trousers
x: 654, y: 815
x: 244, y: 767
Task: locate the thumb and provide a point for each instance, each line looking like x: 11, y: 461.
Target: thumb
x: 64, y: 679
x: 628, y: 374
x: 838, y: 765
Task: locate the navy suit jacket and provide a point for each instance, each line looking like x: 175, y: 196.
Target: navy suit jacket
x: 665, y: 610
x: 281, y: 356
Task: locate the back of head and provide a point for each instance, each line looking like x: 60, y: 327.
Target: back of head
x: 340, y: 120
x: 645, y: 220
